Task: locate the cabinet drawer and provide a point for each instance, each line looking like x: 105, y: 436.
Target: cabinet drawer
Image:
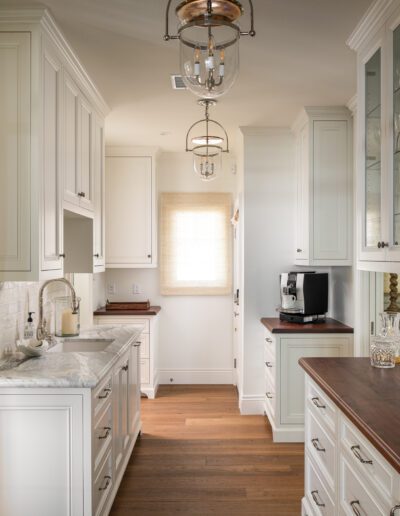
x: 110, y: 320
x: 144, y: 370
x: 321, y: 406
x: 316, y: 491
x: 355, y: 495
x: 103, y: 486
x: 102, y: 395
x: 367, y: 460
x: 144, y: 340
x: 102, y: 436
x: 321, y: 448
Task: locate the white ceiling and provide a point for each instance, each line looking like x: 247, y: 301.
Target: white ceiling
x: 299, y: 57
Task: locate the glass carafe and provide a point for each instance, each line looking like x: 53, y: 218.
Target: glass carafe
x: 390, y: 328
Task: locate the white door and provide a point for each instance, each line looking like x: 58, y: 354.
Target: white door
x: 128, y: 211
x: 99, y: 194
x: 85, y: 161
x: 52, y: 210
x: 71, y: 105
x: 15, y: 171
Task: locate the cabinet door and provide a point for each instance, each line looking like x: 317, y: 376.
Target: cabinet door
x: 134, y: 391
x: 85, y: 156
x: 71, y: 104
x: 128, y: 211
x: 292, y: 376
x: 121, y: 427
x: 15, y: 169
x: 52, y: 210
x: 331, y: 190
x: 99, y: 200
x: 303, y: 198
x: 372, y: 160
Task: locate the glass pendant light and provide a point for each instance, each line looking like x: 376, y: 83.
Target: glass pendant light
x: 209, y: 43
x: 207, y: 147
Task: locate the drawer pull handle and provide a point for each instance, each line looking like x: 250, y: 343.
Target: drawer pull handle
x: 315, y: 496
x: 317, y: 403
x: 107, y: 478
x: 137, y: 344
x: 268, y: 364
x: 269, y: 395
x: 125, y: 367
x: 356, y: 510
x: 268, y: 340
x: 105, y: 395
x: 356, y: 450
x: 106, y: 434
x: 393, y: 511
x: 317, y: 445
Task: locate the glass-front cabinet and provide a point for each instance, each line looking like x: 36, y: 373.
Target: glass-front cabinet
x: 377, y: 43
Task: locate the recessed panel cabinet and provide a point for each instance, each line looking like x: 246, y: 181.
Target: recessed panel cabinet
x: 324, y: 187
x: 131, y: 232
x: 51, y: 146
x: 377, y: 43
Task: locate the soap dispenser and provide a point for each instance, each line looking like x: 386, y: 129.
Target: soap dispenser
x: 29, y: 330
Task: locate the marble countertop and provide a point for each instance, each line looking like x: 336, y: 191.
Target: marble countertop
x: 69, y: 369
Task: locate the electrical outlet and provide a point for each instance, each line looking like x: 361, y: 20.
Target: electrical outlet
x: 111, y: 289
x: 136, y: 289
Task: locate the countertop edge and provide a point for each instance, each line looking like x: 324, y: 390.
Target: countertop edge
x: 373, y: 438
x: 152, y: 311
x: 308, y: 328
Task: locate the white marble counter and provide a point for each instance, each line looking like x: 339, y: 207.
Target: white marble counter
x: 70, y: 369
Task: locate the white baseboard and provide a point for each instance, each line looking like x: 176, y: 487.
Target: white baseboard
x: 251, y: 405
x: 195, y: 376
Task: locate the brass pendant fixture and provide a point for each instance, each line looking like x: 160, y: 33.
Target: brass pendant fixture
x: 208, y: 145
x: 208, y: 35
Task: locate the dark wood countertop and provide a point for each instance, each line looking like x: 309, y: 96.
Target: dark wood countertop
x: 275, y: 325
x: 153, y: 310
x: 368, y: 396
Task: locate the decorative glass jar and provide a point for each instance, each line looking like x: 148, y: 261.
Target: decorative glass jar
x: 383, y: 351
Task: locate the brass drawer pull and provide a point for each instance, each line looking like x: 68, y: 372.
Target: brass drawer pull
x: 356, y: 510
x: 315, y: 496
x: 317, y: 403
x: 268, y: 340
x: 105, y: 395
x: 356, y: 450
x: 269, y: 395
x: 107, y: 478
x: 106, y: 434
x: 317, y: 445
x: 268, y: 364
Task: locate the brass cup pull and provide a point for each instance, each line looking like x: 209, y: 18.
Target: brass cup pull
x: 356, y: 450
x: 315, y: 496
x: 105, y: 395
x: 107, y: 478
x: 354, y: 505
x: 317, y: 403
x: 268, y: 364
x: 269, y: 395
x: 393, y: 511
x: 106, y: 434
x: 317, y: 445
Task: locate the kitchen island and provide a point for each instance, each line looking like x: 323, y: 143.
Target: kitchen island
x: 352, y: 437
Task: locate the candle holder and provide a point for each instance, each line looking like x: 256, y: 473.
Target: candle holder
x: 67, y: 319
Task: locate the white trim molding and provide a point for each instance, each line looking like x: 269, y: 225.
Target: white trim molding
x: 371, y: 22
x: 195, y: 376
x: 250, y: 405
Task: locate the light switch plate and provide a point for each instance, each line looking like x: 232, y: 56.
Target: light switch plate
x: 111, y: 289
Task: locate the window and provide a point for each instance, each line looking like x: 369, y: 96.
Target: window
x: 196, y: 252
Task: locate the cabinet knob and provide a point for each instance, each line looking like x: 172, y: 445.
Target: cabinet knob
x: 61, y: 255
x: 125, y: 367
x: 96, y: 255
x: 81, y: 194
x: 299, y: 250
x: 149, y: 256
x: 382, y: 245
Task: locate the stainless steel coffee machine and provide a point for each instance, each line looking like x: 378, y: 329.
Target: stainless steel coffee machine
x: 304, y: 296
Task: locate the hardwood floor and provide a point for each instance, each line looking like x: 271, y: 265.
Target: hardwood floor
x: 198, y: 456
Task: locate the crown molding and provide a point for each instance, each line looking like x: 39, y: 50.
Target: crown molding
x: 370, y: 23
x: 319, y: 113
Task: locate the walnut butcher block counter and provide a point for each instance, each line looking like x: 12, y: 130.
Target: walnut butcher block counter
x: 275, y: 325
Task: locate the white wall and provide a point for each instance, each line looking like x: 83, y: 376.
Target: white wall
x: 195, y: 331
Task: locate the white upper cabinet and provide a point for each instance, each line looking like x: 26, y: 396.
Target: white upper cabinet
x: 324, y: 187
x: 131, y: 232
x: 377, y: 43
x: 47, y: 145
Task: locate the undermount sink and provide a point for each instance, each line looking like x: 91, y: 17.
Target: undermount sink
x: 80, y: 346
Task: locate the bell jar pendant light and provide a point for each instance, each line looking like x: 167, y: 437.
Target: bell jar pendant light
x: 209, y: 43
x: 208, y: 146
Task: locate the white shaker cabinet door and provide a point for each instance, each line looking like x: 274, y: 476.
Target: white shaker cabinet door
x: 52, y: 212
x: 128, y: 211
x: 99, y: 195
x: 15, y: 238
x: 85, y: 155
x: 71, y: 105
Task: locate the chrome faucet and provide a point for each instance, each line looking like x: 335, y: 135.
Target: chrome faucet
x: 43, y: 332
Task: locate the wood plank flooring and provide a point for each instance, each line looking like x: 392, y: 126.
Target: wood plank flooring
x: 198, y: 456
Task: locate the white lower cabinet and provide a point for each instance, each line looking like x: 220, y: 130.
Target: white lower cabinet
x: 344, y: 473
x: 284, y: 378
x: 148, y: 344
x: 63, y: 452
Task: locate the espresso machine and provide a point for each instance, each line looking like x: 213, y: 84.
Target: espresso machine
x: 304, y: 296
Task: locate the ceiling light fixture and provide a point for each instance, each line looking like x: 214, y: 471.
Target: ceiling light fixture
x: 207, y: 148
x: 209, y: 43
